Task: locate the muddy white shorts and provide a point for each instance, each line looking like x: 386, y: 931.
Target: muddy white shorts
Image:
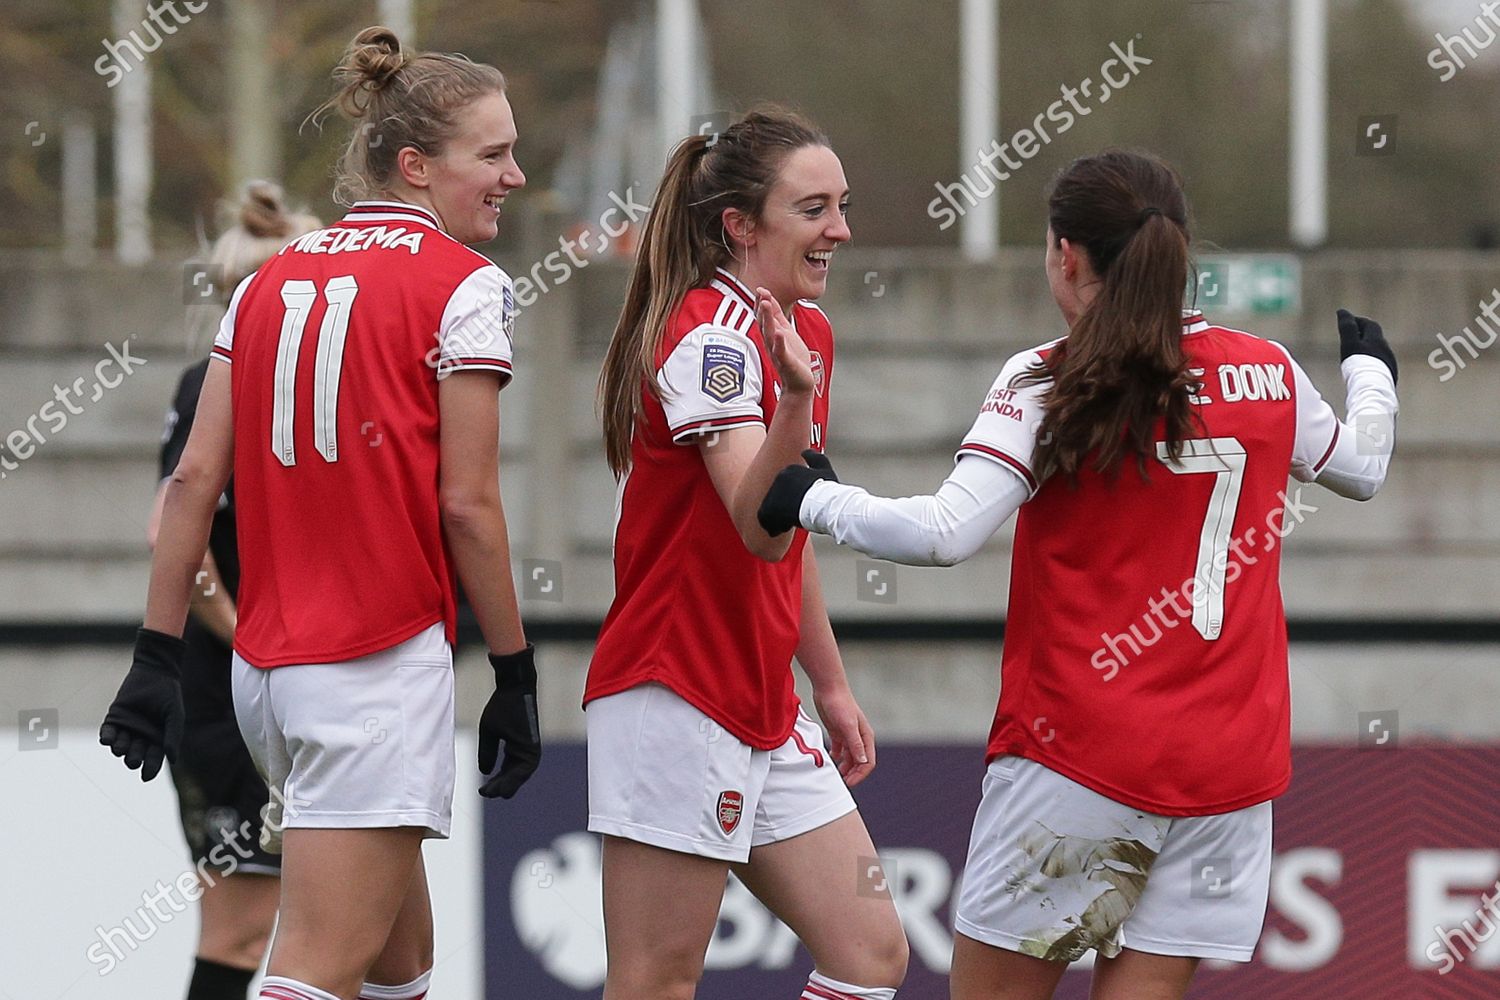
x: 1055, y: 869
x: 663, y: 773
x: 362, y: 743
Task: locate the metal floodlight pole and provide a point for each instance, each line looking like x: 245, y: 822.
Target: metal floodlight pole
x: 80, y: 203
x: 255, y: 140
x: 674, y: 68
x: 132, y: 144
x: 399, y: 17
x: 1308, y: 180
x: 979, y: 40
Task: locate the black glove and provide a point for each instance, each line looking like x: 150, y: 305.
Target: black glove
x: 781, y: 510
x: 144, y: 723
x: 1358, y: 335
x: 510, y: 716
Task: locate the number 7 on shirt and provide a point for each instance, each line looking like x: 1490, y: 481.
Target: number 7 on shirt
x: 1224, y: 458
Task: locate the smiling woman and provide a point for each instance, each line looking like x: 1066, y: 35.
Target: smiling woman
x: 433, y: 128
x: 1123, y: 456
x: 701, y: 760
x: 347, y: 598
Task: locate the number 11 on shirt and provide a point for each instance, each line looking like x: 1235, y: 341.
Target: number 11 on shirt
x: 299, y: 297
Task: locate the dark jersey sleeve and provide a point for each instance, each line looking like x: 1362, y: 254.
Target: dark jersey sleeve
x: 180, y: 418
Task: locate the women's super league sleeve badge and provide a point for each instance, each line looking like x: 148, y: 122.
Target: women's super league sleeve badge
x: 723, y: 372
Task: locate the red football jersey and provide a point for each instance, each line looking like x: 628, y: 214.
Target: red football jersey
x: 694, y: 609
x: 1145, y: 648
x: 338, y: 343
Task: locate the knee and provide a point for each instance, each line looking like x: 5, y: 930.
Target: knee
x: 252, y: 945
x: 669, y: 979
x: 877, y: 959
x: 883, y: 960
x: 241, y: 945
x: 889, y: 959
x: 336, y: 959
x: 402, y: 962
x: 415, y: 957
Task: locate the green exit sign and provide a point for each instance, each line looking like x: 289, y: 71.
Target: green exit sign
x: 1260, y: 284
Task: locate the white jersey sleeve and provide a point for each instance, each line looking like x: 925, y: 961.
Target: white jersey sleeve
x: 942, y: 529
x: 1006, y: 429
x: 1349, y: 457
x: 223, y: 349
x: 478, y: 325
x: 712, y: 381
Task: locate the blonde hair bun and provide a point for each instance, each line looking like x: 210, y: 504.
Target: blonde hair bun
x: 262, y: 227
x: 370, y: 64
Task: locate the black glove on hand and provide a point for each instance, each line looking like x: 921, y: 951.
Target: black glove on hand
x: 1358, y: 335
x: 510, y: 715
x: 781, y: 510
x: 144, y: 723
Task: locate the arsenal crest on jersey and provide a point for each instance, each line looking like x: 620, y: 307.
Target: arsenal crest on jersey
x: 817, y: 371
x: 731, y: 804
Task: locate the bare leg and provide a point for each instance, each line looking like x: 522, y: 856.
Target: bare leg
x: 660, y: 907
x: 238, y: 913
x: 1138, y: 975
x: 984, y: 972
x: 341, y: 891
x: 813, y: 882
x: 408, y: 948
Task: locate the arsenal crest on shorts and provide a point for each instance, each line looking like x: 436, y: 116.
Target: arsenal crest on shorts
x: 817, y: 371
x: 730, y: 806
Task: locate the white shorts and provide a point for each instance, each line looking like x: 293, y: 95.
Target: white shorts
x: 1055, y: 869
x: 358, y: 744
x: 663, y: 773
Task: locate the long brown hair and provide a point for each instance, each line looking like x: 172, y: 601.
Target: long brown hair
x: 681, y: 244
x: 396, y: 99
x: 1122, y: 366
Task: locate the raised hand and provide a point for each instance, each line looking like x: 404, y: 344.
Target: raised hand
x: 788, y: 352
x: 1358, y: 335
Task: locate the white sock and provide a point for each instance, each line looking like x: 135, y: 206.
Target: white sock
x: 414, y: 990
x: 820, y: 987
x: 282, y: 988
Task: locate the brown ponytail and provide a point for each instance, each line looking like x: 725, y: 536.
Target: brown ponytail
x: 397, y: 99
x: 681, y: 244
x: 1121, y: 367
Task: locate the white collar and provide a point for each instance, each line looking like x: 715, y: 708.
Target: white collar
x: 391, y: 211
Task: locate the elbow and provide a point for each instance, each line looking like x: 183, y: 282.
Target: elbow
x: 1361, y: 490
x: 945, y: 557
x: 770, y: 549
x: 190, y: 484
x: 951, y: 544
x: 947, y: 552
x: 467, y: 513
